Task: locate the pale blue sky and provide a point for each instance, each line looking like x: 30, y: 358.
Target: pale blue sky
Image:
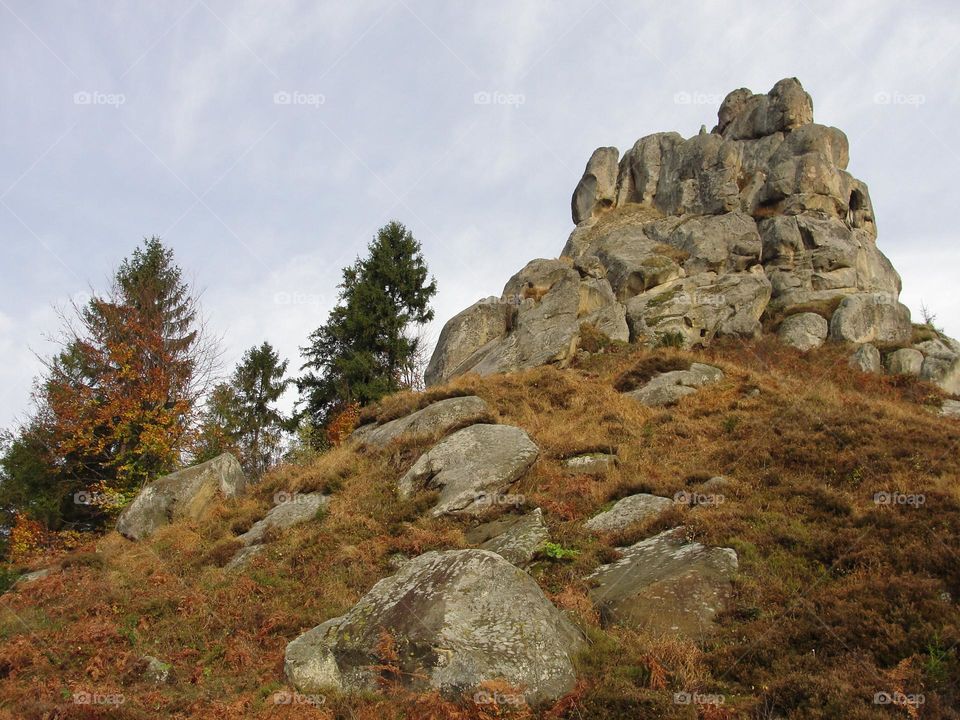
x: 120, y: 120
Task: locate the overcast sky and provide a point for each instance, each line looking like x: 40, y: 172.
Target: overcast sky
x: 267, y: 141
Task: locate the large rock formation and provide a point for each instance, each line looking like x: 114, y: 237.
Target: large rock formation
x: 682, y: 240
x: 458, y: 618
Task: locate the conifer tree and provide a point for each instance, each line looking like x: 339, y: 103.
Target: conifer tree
x: 360, y: 353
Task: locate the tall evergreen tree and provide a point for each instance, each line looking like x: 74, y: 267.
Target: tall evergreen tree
x: 257, y: 384
x: 241, y: 415
x: 361, y: 352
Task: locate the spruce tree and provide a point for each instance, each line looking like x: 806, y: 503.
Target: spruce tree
x: 257, y: 384
x: 360, y: 353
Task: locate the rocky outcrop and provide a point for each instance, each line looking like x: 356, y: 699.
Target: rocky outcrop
x: 186, y: 494
x: 458, y: 619
x: 516, y: 538
x: 669, y: 387
x: 666, y: 585
x: 627, y: 511
x: 472, y: 468
x: 435, y: 419
x: 682, y: 240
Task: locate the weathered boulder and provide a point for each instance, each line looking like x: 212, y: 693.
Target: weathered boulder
x: 627, y: 511
x: 472, y: 467
x: 186, y: 494
x: 941, y: 362
x: 871, y: 317
x: 459, y: 619
x: 811, y: 258
x: 905, y: 361
x: 950, y: 408
x: 669, y: 387
x: 515, y: 538
x: 866, y: 358
x: 290, y: 511
x: 597, y: 188
x: 436, y: 418
x: 804, y: 331
x: 35, y: 575
x: 591, y: 463
x: 665, y: 584
x: 466, y: 336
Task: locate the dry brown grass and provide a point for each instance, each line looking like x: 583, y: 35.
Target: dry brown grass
x: 837, y: 598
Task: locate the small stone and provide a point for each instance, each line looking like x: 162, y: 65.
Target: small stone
x: 157, y: 671
x: 591, y: 463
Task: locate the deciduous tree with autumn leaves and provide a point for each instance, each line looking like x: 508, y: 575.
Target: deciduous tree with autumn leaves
x: 117, y: 404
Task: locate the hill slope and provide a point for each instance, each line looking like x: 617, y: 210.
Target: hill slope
x: 840, y: 594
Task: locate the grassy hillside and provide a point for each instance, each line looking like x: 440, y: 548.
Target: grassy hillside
x: 838, y: 597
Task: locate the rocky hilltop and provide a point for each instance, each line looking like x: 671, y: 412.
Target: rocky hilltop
x: 722, y: 234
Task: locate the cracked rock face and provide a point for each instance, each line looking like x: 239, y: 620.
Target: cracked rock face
x: 472, y: 468
x: 459, y: 618
x: 688, y: 239
x: 666, y: 585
